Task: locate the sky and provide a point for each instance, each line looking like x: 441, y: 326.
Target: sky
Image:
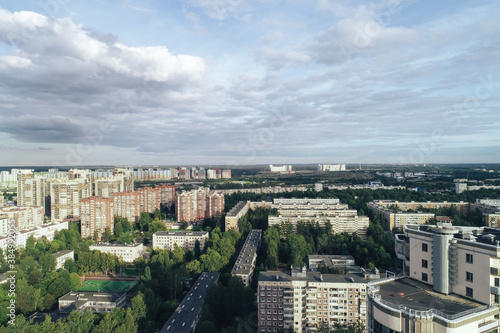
x: 241, y: 82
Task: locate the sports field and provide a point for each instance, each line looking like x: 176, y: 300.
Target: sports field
x: 108, y: 286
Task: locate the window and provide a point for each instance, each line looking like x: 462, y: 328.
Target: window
x: 469, y: 292
x: 469, y: 277
x: 497, y: 282
x: 425, y: 247
x: 424, y: 277
x: 424, y: 263
x: 469, y: 258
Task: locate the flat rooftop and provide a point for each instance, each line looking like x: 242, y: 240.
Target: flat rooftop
x: 181, y: 233
x: 62, y: 253
x: 186, y: 314
x: 418, y: 296
x: 279, y: 276
x: 91, y: 296
x: 243, y: 264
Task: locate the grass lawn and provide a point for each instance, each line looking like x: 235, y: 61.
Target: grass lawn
x: 107, y: 286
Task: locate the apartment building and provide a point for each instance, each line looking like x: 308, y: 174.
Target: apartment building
x: 97, y: 214
x: 32, y: 190
x: 24, y: 217
x: 245, y: 263
x: 65, y: 195
x: 152, y: 198
x: 451, y: 282
x: 235, y: 214
x: 4, y: 224
x: 8, y: 179
x: 199, y: 204
x: 281, y: 168
x: 331, y: 167
x: 320, y: 211
x: 127, y: 204
x: 128, y: 252
x: 490, y: 208
x: 166, y: 240
x: 62, y: 256
x: 141, y: 174
x: 48, y: 230
x: 268, y: 189
x: 302, y: 300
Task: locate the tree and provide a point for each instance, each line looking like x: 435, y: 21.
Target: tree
x: 107, y: 236
x: 212, y: 261
x: 144, y: 221
x: 194, y: 267
x: 48, y: 262
x: 80, y: 322
x: 139, y: 306
x: 75, y: 282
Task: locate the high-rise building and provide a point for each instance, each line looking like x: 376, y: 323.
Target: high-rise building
x: 127, y: 204
x: 303, y: 301
x: 96, y: 216
x: 199, y: 204
x: 65, y: 196
x: 280, y: 168
x: 451, y: 282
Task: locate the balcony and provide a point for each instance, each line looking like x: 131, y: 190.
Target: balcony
x: 495, y: 290
x: 495, y: 271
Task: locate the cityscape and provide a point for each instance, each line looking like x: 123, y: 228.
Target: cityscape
x: 195, y: 166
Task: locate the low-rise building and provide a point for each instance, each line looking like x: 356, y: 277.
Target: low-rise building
x: 62, y: 256
x: 24, y: 217
x: 185, y: 239
x: 187, y: 314
x: 245, y: 263
x: 128, y: 252
x: 98, y: 302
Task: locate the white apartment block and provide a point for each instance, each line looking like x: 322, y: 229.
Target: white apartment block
x: 165, y: 240
x: 322, y: 211
x: 24, y: 217
x: 245, y: 263
x: 128, y: 252
x: 99, y: 302
x: 331, y: 167
x: 280, y: 168
x: 4, y: 224
x: 8, y: 179
x: 301, y: 300
x: 62, y: 256
x: 453, y: 277
x: 47, y: 230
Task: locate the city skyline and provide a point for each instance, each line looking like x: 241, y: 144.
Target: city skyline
x: 232, y: 82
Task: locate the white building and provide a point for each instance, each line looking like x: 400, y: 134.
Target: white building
x: 245, y: 263
x: 98, y: 302
x: 62, y: 256
x: 47, y: 230
x: 331, y: 167
x: 128, y: 252
x: 280, y: 168
x: 452, y: 282
x: 185, y: 239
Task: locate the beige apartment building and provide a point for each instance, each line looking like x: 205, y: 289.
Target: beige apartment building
x: 166, y: 240
x: 24, y: 217
x: 302, y: 301
x: 65, y: 196
x: 199, y: 204
x: 96, y: 216
x: 235, y: 214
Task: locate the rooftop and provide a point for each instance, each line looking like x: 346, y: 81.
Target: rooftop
x: 279, y: 276
x: 418, y: 296
x: 483, y: 235
x: 116, y: 245
x: 181, y: 233
x: 62, y: 253
x: 91, y: 296
x: 243, y: 264
x: 186, y: 314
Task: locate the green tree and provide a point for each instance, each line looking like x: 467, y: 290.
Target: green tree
x: 80, y: 322
x: 194, y: 267
x: 48, y: 262
x: 75, y: 282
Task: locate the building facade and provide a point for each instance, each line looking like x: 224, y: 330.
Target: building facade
x: 24, y: 217
x: 235, y: 214
x: 128, y: 252
x: 48, y: 230
x: 97, y: 215
x: 199, y: 204
x: 166, y: 240
x: 62, y: 256
x: 302, y: 301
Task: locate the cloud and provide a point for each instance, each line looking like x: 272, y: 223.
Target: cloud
x: 223, y: 9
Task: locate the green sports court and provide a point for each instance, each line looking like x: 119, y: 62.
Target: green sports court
x: 107, y: 286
